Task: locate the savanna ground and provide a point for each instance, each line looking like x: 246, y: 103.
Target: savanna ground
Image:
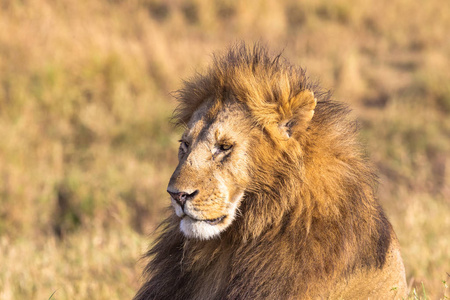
x: 86, y: 148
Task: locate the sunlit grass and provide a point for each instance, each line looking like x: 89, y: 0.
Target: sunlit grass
x: 91, y: 264
x: 86, y: 145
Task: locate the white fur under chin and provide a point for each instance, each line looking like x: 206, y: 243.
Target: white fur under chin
x: 200, y: 229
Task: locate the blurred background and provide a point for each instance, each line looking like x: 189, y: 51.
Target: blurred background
x: 86, y: 147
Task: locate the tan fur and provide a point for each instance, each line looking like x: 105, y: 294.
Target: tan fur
x: 279, y: 161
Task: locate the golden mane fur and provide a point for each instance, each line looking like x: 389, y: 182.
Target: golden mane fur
x: 309, y: 225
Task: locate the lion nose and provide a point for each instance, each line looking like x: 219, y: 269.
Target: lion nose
x: 182, y: 197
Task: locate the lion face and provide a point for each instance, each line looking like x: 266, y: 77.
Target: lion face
x: 209, y: 182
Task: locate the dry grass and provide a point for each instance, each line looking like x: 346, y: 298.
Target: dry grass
x: 86, y: 148
x: 90, y: 264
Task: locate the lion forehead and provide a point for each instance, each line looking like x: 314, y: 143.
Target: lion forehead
x: 219, y: 120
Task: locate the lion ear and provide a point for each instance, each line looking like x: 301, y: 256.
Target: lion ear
x: 300, y: 110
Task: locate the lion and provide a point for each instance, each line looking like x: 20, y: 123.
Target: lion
x: 273, y: 197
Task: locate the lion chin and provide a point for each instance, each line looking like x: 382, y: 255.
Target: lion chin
x: 199, y: 229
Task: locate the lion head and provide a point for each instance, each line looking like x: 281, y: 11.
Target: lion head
x: 229, y: 132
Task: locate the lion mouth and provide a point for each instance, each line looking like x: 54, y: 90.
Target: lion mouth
x: 209, y: 221
x: 215, y: 221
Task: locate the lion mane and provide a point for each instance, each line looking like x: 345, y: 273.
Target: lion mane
x: 310, y: 225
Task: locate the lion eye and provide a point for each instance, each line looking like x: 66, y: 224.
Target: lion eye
x: 184, y: 145
x: 225, y: 147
